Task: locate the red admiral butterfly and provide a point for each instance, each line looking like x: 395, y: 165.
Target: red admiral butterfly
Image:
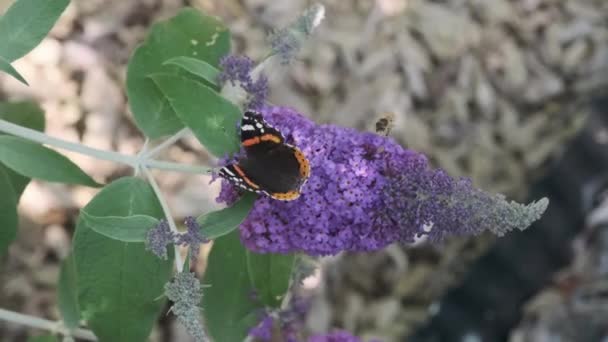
x: 271, y: 166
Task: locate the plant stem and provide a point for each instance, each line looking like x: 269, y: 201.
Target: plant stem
x: 40, y: 323
x: 179, y: 262
x: 183, y: 168
x: 170, y: 141
x: 42, y: 138
x: 132, y: 161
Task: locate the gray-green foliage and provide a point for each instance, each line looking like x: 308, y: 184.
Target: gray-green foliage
x: 191, y: 34
x: 227, y: 306
x: 36, y: 161
x: 23, y: 26
x: 67, y: 294
x: 119, y: 282
x: 224, y: 221
x: 12, y: 184
x: 212, y: 118
x: 8, y: 212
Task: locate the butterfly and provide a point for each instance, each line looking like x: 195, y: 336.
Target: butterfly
x: 270, y: 166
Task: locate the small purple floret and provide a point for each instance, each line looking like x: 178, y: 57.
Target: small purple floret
x: 263, y: 331
x: 192, y: 237
x: 288, y: 322
x: 258, y: 92
x: 237, y: 70
x: 365, y: 191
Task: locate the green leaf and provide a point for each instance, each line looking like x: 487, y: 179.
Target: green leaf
x: 26, y: 114
x: 228, y: 309
x: 25, y: 24
x: 23, y: 113
x: 196, y: 67
x: 190, y: 33
x: 127, y: 229
x: 224, y: 221
x: 119, y: 283
x: 8, y: 68
x: 67, y: 294
x: 8, y: 212
x: 270, y: 274
x: 36, y: 161
x: 12, y: 184
x: 212, y: 118
x: 43, y: 338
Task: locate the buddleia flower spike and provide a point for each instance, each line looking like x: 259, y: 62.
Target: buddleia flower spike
x: 365, y: 192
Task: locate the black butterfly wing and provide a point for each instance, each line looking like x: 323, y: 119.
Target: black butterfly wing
x: 235, y: 175
x: 276, y: 168
x: 271, y: 166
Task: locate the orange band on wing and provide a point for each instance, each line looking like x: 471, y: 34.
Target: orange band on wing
x: 251, y: 141
x: 256, y: 140
x: 285, y: 196
x: 271, y: 137
x: 245, y: 178
x: 304, y: 164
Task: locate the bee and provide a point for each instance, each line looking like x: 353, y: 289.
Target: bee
x: 385, y: 123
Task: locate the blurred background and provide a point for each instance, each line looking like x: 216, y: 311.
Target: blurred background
x: 512, y: 93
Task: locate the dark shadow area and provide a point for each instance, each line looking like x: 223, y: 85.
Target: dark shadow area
x: 490, y: 301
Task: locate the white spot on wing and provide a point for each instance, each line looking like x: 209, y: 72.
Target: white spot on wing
x: 247, y: 128
x: 228, y: 171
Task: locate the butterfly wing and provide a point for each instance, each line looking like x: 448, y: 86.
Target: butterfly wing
x: 255, y: 130
x: 279, y: 171
x: 271, y: 166
x: 235, y: 175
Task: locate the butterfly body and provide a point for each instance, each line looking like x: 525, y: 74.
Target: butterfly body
x: 270, y: 166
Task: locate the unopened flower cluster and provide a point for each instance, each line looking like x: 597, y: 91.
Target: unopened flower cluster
x: 287, y: 42
x: 365, y: 191
x: 185, y: 293
x: 161, y: 235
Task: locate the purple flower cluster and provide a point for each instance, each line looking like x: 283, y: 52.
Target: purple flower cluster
x: 263, y: 331
x: 192, y: 237
x: 288, y: 322
x: 335, y: 336
x: 289, y: 325
x: 365, y: 192
x: 237, y: 70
